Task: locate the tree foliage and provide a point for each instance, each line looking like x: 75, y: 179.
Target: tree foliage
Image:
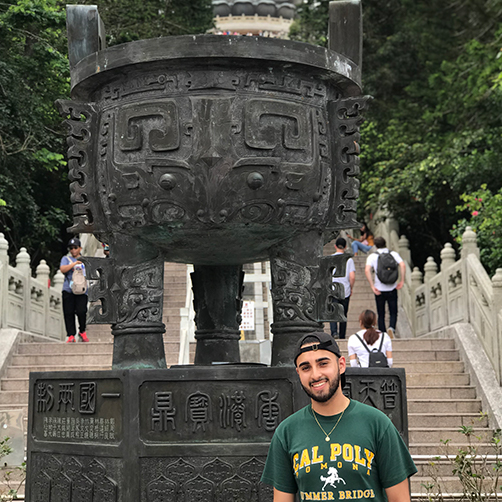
x: 136, y: 20
x: 33, y: 180
x: 433, y: 132
x: 34, y: 196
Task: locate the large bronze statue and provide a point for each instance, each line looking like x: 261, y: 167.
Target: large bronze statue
x: 216, y: 151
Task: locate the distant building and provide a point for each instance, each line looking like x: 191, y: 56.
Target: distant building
x: 270, y: 18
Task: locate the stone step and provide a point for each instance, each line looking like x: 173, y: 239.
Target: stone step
x: 437, y: 435
x: 433, y: 449
x: 27, y: 349
x: 414, y: 344
x: 24, y: 371
x: 435, y: 379
x: 432, y: 367
x: 14, y: 384
x: 447, y: 420
x: 14, y: 397
x: 78, y: 360
x: 443, y: 392
x: 426, y: 488
x: 444, y: 405
x: 439, y: 466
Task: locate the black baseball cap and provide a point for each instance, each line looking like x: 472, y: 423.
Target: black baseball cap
x: 75, y: 242
x: 325, y: 342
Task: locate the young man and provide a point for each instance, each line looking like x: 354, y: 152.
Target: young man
x: 385, y: 293
x: 73, y: 305
x: 348, y: 285
x: 335, y: 448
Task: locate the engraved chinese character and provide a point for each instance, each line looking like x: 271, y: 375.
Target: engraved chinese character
x: 233, y: 410
x: 163, y: 411
x: 45, y: 397
x: 87, y: 397
x: 389, y: 391
x: 198, y: 410
x: 366, y: 390
x: 347, y: 390
x: 268, y: 411
x: 66, y: 396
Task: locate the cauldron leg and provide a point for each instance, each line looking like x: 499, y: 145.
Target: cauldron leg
x: 294, y: 266
x: 137, y: 292
x: 217, y: 303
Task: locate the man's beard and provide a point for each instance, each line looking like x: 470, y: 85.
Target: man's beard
x: 322, y: 398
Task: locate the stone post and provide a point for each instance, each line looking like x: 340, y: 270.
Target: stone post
x: 58, y: 280
x: 4, y: 280
x: 469, y: 243
x: 23, y: 267
x: 496, y: 307
x: 430, y: 269
x: 43, y: 273
x: 447, y: 256
x: 416, y: 279
x: 404, y: 249
x: 469, y: 246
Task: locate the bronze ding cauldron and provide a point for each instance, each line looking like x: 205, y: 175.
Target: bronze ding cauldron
x: 216, y: 151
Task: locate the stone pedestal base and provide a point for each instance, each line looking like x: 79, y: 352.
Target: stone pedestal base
x: 187, y: 433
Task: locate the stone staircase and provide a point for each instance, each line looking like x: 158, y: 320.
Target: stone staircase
x: 440, y: 395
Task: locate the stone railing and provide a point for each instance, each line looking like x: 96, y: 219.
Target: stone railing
x: 458, y: 291
x: 28, y: 303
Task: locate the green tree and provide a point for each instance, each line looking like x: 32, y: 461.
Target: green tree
x: 33, y: 180
x: 433, y: 131
x: 135, y: 19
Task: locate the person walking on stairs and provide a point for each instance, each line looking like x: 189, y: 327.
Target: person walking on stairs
x: 367, y: 340
x: 335, y: 448
x: 348, y: 284
x: 74, y: 292
x: 388, y: 266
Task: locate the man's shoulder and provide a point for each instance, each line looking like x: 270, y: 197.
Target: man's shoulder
x: 369, y: 413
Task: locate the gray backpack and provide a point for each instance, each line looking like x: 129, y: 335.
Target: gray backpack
x: 387, y: 269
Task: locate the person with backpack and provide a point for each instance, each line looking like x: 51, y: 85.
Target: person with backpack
x: 388, y: 267
x: 348, y: 285
x: 74, y: 292
x: 369, y: 347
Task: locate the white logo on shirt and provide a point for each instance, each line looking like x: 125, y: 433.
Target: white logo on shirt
x: 332, y: 478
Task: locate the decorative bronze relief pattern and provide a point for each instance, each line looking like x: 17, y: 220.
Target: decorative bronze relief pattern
x: 67, y: 479
x: 346, y: 114
x: 81, y: 121
x: 203, y: 480
x: 126, y: 294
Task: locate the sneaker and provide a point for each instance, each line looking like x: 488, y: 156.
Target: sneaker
x: 390, y: 332
x: 83, y: 337
x: 70, y: 339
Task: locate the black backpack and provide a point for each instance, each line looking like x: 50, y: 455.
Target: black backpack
x: 387, y: 269
x: 377, y: 357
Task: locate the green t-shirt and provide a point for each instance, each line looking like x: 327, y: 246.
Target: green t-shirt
x: 365, y: 455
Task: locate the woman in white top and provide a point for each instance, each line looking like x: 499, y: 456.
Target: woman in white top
x: 358, y: 355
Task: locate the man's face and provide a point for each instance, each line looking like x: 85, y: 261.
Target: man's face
x: 319, y: 372
x: 75, y: 251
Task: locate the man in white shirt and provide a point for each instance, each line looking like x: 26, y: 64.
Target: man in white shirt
x: 348, y: 284
x: 385, y: 292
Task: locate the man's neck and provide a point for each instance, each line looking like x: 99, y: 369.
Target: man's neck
x: 334, y: 406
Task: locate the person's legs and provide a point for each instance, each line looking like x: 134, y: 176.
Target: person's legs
x: 81, y: 311
x: 392, y: 301
x: 334, y: 329
x: 359, y: 246
x: 69, y: 313
x: 380, y: 305
x: 343, y: 325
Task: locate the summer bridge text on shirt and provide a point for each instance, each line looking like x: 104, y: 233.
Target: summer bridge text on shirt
x: 342, y: 495
x: 349, y: 453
